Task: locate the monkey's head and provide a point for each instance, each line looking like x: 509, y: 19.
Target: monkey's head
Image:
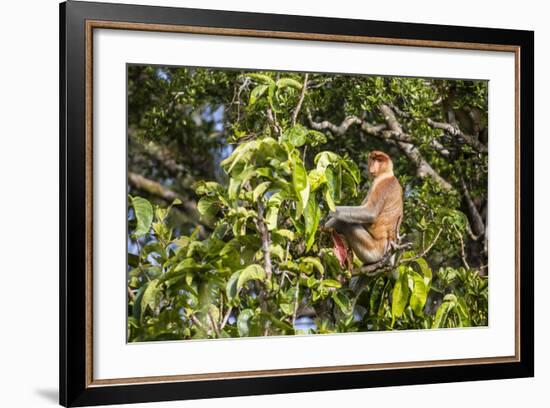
x: 379, y: 163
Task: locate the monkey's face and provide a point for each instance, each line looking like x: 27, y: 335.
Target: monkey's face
x: 378, y: 163
x: 375, y: 167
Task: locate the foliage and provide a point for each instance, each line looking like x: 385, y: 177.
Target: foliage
x: 254, y: 261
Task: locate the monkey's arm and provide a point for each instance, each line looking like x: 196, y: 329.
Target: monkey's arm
x: 362, y: 214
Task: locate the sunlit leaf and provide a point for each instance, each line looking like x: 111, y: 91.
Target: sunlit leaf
x: 301, y: 185
x: 343, y: 302
x: 419, y: 294
x: 260, y: 190
x: 288, y: 82
x: 297, y: 135
x: 256, y: 93
x: 400, y: 294
x: 152, y: 295
x: 251, y: 272
x: 243, y: 321
x: 144, y: 215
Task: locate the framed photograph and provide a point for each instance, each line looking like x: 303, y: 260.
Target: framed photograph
x: 256, y: 204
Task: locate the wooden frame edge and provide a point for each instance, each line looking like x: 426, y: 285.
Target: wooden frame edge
x: 104, y: 24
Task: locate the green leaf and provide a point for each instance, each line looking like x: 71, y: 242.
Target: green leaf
x: 288, y: 82
x: 297, y: 135
x: 316, y: 262
x: 463, y: 312
x: 238, y: 154
x: 312, y: 215
x: 262, y: 78
x: 301, y: 185
x: 242, y: 322
x: 285, y: 234
x: 376, y: 294
x: 316, y: 179
x: 132, y: 322
x: 352, y: 169
x: 231, y: 286
x: 334, y: 184
x: 251, y: 272
x: 278, y: 251
x: 400, y: 294
x: 316, y: 138
x: 419, y: 294
x: 325, y: 159
x: 260, y: 190
x: 287, y: 308
x: 137, y: 309
x: 331, y: 283
x: 208, y: 207
x: 441, y: 314
x: 152, y: 295
x: 343, y: 302
x: 425, y: 269
x: 206, y: 187
x: 271, y: 96
x: 272, y: 213
x: 256, y: 93
x: 329, y: 200
x: 144, y: 215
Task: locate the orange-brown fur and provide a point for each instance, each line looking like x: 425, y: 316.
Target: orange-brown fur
x: 384, y: 208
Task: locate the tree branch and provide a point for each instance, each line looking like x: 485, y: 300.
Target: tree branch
x: 272, y: 119
x: 155, y: 188
x: 463, y: 252
x: 266, y: 242
x: 423, y: 168
x: 455, y: 131
x: 477, y: 221
x: 393, y: 131
x: 337, y: 130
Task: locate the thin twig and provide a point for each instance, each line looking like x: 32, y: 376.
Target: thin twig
x: 425, y: 250
x: 300, y: 100
x: 226, y: 318
x: 266, y: 242
x: 272, y: 119
x: 296, y: 301
x: 214, y: 325
x: 199, y: 323
x: 463, y: 252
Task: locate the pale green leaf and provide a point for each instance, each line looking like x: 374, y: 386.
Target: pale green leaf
x: 144, y: 215
x: 343, y: 302
x: 251, y: 272
x: 301, y: 185
x: 400, y: 294
x: 316, y: 262
x: 256, y: 93
x: 419, y: 294
x: 288, y: 82
x: 260, y: 190
x: 242, y: 322
x: 152, y: 295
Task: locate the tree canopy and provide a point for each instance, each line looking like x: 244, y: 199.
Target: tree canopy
x: 231, y: 174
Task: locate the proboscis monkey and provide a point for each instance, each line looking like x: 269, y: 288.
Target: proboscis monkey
x: 370, y: 227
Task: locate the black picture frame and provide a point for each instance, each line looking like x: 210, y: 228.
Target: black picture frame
x: 76, y: 387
